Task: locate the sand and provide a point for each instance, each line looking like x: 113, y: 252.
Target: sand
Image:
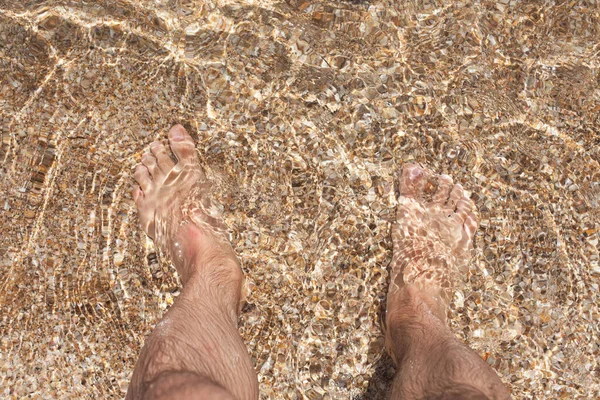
x: 303, y: 113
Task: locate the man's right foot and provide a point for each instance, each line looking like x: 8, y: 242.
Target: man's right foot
x: 432, y: 239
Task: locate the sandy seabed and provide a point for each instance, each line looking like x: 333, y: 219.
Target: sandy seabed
x: 303, y: 112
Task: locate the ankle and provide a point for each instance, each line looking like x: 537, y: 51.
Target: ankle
x: 216, y: 278
x: 412, y: 319
x: 412, y: 303
x: 203, y: 256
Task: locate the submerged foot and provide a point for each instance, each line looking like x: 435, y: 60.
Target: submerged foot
x: 432, y: 237
x: 195, y: 351
x: 177, y: 212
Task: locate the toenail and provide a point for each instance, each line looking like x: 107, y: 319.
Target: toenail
x: 415, y: 173
x: 176, y: 134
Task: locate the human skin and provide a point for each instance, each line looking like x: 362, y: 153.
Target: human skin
x: 432, y: 245
x: 196, y: 352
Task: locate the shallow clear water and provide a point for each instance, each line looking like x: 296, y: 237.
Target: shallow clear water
x: 306, y: 111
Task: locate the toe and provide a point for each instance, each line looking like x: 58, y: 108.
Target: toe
x: 455, y: 195
x: 137, y: 194
x: 445, y: 183
x: 470, y: 227
x: 163, y: 159
x: 150, y: 162
x: 411, y: 180
x: 463, y: 208
x: 396, y: 237
x: 142, y: 176
x: 182, y: 144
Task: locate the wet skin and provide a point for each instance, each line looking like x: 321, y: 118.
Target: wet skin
x: 196, y: 352
x: 432, y: 246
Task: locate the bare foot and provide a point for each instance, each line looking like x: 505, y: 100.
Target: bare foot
x: 195, y: 350
x: 176, y: 210
x: 432, y: 238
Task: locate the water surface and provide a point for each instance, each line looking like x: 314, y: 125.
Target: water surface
x: 305, y: 110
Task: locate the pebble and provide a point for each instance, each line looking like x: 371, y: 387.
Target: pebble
x: 303, y: 113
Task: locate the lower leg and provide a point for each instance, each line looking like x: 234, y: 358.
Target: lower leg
x: 196, y: 351
x: 431, y: 362
x: 196, y: 348
x: 432, y: 244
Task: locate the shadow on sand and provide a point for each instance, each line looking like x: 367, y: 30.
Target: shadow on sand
x: 381, y: 381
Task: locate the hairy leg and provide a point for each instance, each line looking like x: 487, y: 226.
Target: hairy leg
x: 431, y: 362
x: 432, y: 245
x: 197, y: 346
x: 195, y: 351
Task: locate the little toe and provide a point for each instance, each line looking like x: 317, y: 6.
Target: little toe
x: 137, y: 193
x: 470, y: 226
x: 445, y: 183
x: 142, y: 176
x: 163, y: 159
x: 455, y: 195
x: 396, y: 236
x: 411, y: 180
x: 182, y: 144
x: 150, y: 162
x: 463, y: 208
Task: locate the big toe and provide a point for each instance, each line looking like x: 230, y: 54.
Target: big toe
x: 182, y: 145
x: 412, y: 180
x: 456, y: 194
x: 137, y: 194
x: 464, y: 206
